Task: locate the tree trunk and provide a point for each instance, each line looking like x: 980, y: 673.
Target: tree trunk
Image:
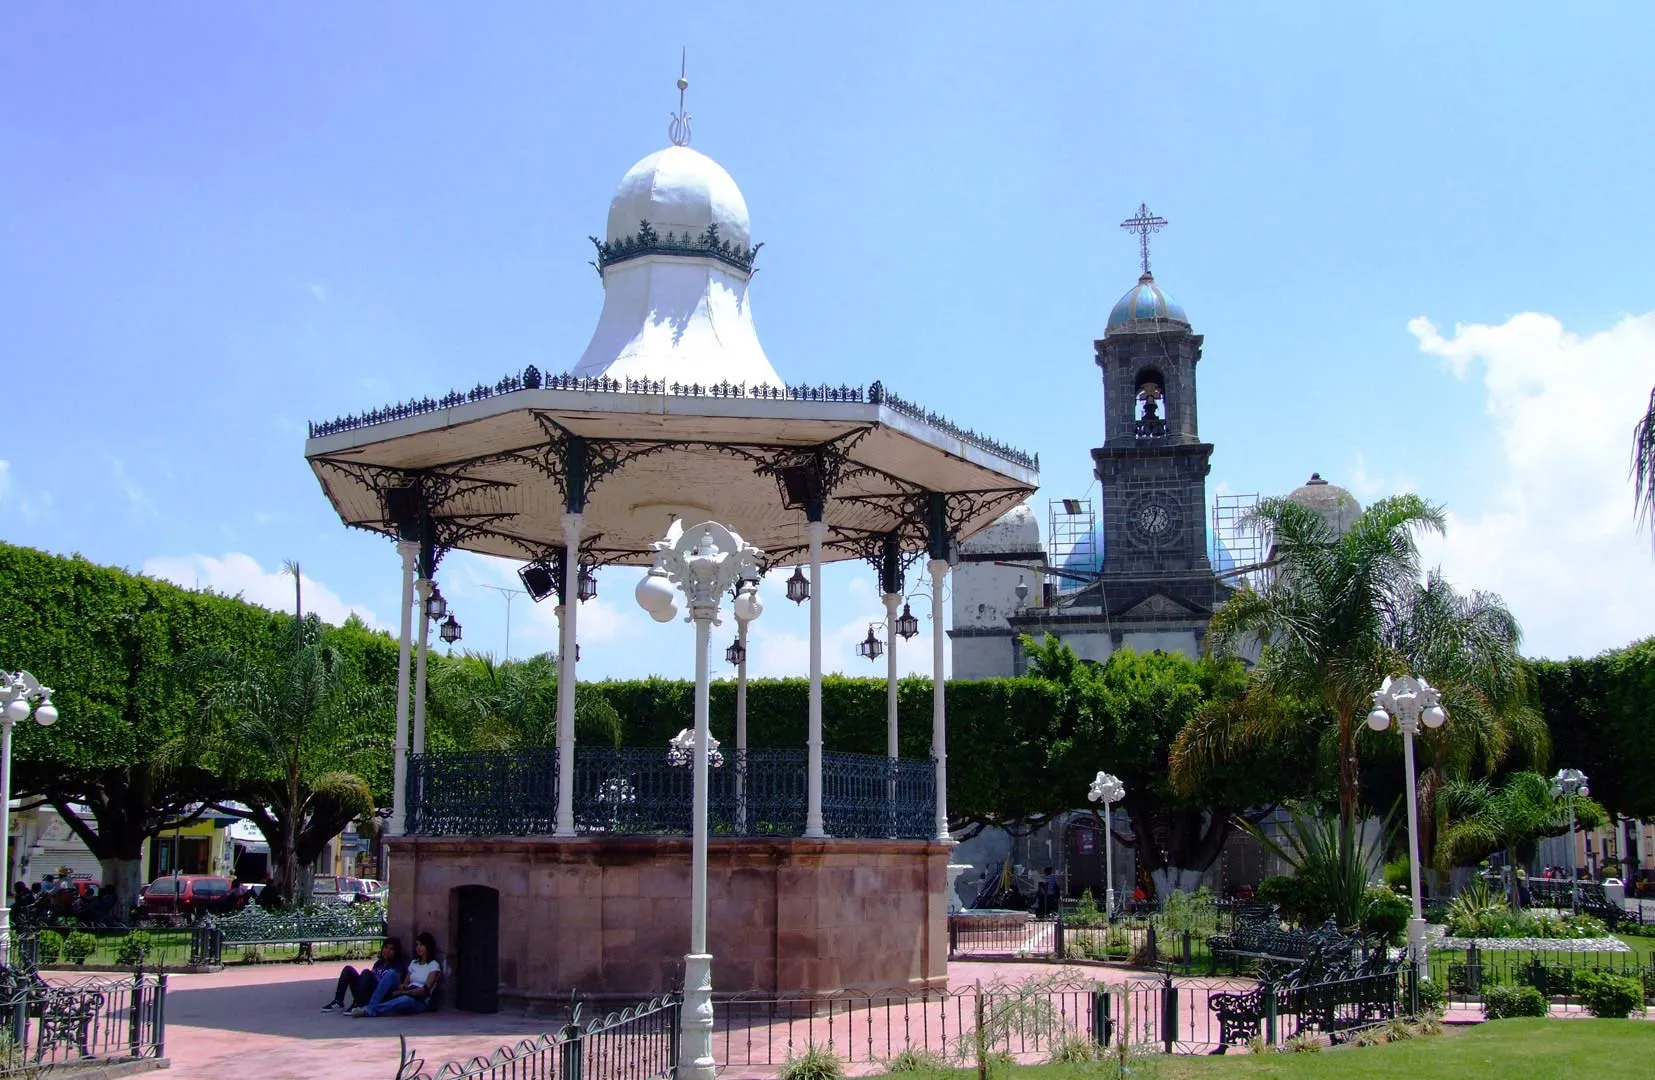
x: 127, y: 875
x: 1177, y: 847
x: 1349, y: 769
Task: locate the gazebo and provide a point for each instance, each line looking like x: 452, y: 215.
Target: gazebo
x: 569, y: 869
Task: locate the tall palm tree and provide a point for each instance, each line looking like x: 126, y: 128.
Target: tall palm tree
x: 281, y: 725
x: 477, y: 703
x: 1325, y: 618
x: 1509, y: 818
x: 1643, y: 467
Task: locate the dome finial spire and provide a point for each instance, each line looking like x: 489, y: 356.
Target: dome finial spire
x: 1144, y: 223
x: 679, y: 130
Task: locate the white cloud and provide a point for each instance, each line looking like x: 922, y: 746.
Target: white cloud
x: 1555, y: 535
x: 30, y: 508
x: 5, y: 478
x: 1368, y: 484
x: 136, y: 496
x: 236, y: 574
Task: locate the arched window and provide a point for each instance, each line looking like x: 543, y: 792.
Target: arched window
x: 1149, y: 413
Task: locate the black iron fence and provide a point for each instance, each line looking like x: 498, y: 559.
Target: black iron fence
x: 83, y: 1022
x: 638, y: 1043
x: 1051, y: 1019
x: 1466, y: 977
x: 639, y: 791
x: 1148, y: 939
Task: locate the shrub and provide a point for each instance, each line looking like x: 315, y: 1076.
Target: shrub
x: 1305, y: 1044
x: 1549, y: 979
x: 1385, y: 915
x: 51, y: 946
x: 1073, y: 1050
x: 915, y: 1061
x: 1432, y: 997
x: 1505, y: 1002
x: 1196, y: 912
x: 78, y: 946
x: 1607, y: 994
x: 1398, y: 877
x: 816, y: 1063
x: 134, y: 949
x: 1086, y: 913
x: 1298, y: 901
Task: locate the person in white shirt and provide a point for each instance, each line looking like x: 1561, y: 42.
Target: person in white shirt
x: 414, y: 993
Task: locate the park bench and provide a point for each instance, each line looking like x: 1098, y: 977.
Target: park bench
x: 1333, y: 987
x: 1258, y: 935
x: 66, y: 1013
x: 1559, y: 893
x: 254, y: 926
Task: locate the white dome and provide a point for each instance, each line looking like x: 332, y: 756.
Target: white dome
x: 1016, y: 530
x: 680, y: 191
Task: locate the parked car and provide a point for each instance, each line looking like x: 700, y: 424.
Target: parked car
x: 376, y: 889
x: 339, y: 889
x: 188, y: 895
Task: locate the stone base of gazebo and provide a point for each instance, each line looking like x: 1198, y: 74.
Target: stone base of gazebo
x: 608, y: 917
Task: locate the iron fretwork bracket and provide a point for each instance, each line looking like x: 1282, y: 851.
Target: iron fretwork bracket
x: 577, y: 464
x: 417, y: 505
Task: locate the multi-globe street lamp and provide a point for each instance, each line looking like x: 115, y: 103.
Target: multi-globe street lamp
x: 1571, y: 782
x: 1413, y: 702
x: 703, y: 562
x: 20, y: 695
x: 1107, y: 789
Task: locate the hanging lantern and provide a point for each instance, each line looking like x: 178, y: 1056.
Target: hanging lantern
x: 586, y: 587
x: 736, y: 653
x: 435, y: 605
x: 451, y: 630
x: 798, y: 586
x: 906, y: 625
x: 870, y: 646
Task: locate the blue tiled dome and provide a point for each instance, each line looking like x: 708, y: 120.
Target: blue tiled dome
x: 1145, y: 307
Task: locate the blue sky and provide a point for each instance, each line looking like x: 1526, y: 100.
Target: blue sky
x: 1416, y: 239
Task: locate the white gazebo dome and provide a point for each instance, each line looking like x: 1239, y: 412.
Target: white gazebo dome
x: 682, y: 192
x: 676, y: 262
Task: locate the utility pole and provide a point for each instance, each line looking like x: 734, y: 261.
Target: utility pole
x: 510, y: 594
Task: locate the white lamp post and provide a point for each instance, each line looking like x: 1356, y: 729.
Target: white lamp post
x: 1413, y: 702
x: 1107, y: 789
x: 20, y: 694
x: 701, y: 562
x: 1571, y: 782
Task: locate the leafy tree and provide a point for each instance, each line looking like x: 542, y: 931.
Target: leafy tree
x: 1597, y: 710
x: 474, y: 702
x: 1324, y: 620
x: 1123, y: 716
x: 1484, y: 819
x: 108, y: 643
x: 279, y: 726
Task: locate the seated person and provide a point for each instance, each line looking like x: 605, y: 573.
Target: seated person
x: 362, y: 984
x: 412, y: 993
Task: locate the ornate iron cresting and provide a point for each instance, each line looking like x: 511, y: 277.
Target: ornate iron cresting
x: 639, y: 1042
x: 646, y: 241
x: 637, y: 791
x: 531, y: 378
x: 84, y: 1022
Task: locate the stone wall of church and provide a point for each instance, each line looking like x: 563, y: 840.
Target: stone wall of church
x: 991, y: 654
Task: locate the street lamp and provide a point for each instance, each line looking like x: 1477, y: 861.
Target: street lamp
x: 870, y: 646
x: 450, y: 630
x: 906, y: 625
x: 1413, y: 702
x: 1571, y: 782
x: 437, y: 606
x: 1107, y: 789
x: 701, y: 562
x: 21, y: 694
x: 586, y: 586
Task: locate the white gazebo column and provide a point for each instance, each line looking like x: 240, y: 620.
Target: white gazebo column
x: 399, y: 757
x: 939, y: 712
x: 422, y: 589
x: 817, y: 532
x: 741, y: 727
x: 566, y: 677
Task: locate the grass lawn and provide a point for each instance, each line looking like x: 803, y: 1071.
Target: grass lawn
x: 1501, y: 1050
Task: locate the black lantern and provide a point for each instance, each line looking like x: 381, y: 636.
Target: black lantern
x: 906, y: 625
x: 870, y: 646
x: 450, y: 630
x: 736, y: 653
x: 586, y: 586
x: 798, y: 586
x: 435, y: 606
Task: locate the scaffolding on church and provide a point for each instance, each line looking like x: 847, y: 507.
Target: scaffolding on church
x: 1239, y: 542
x: 1072, y: 531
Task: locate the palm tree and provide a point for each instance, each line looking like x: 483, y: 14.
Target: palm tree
x: 1325, y: 620
x: 281, y: 726
x: 1509, y: 818
x: 477, y: 703
x: 1467, y: 647
x: 1643, y: 467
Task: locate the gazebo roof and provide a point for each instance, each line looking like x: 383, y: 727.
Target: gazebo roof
x: 488, y: 471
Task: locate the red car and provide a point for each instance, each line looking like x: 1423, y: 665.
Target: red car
x: 188, y: 894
